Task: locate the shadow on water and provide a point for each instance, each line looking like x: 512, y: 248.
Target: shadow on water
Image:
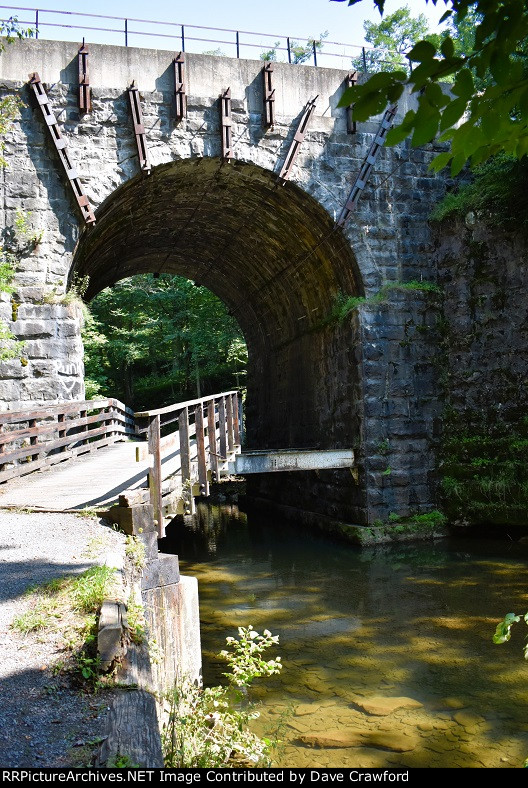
x: 410, y: 621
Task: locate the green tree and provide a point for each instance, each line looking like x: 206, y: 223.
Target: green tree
x: 479, y: 122
x: 152, y: 341
x: 391, y: 38
x: 299, y: 53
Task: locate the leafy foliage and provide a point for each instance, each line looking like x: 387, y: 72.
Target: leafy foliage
x: 484, y: 473
x: 503, y: 630
x: 299, y: 53
x: 10, y: 30
x: 391, y: 39
x: 497, y: 194
x: 153, y: 341
x: 246, y: 659
x: 210, y: 727
x: 486, y: 111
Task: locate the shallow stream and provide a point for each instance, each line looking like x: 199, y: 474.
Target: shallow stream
x: 387, y: 651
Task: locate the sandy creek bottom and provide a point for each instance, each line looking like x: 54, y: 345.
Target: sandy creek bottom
x: 387, y: 651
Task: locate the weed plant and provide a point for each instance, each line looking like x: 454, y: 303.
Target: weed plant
x: 210, y: 727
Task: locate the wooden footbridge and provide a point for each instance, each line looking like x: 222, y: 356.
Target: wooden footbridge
x: 99, y: 454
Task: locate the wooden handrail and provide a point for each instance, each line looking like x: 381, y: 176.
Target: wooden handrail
x: 180, y: 405
x: 64, y: 430
x: 207, y: 456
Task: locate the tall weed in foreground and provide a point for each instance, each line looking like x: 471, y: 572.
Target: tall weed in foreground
x: 210, y: 727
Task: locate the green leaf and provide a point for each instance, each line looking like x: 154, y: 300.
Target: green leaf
x: 503, y: 630
x: 457, y: 164
x: 349, y: 96
x: 379, y: 81
x: 452, y: 113
x: 447, y: 47
x: 473, y: 140
x: 396, y: 135
x: 422, y: 73
x: 425, y: 129
x: 368, y: 105
x: 422, y: 51
x: 439, y: 162
x: 500, y: 67
x: 463, y: 86
x: 394, y: 92
x: 435, y: 95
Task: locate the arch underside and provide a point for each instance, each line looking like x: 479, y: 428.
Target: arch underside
x: 272, y: 254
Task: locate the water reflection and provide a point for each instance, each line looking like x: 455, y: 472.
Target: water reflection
x: 387, y: 651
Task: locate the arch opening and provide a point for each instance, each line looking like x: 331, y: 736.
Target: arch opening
x: 151, y: 341
x: 271, y: 253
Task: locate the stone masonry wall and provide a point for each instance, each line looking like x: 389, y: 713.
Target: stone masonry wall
x: 373, y: 360
x: 484, y: 273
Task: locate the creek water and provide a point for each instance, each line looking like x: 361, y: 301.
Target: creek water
x: 387, y: 651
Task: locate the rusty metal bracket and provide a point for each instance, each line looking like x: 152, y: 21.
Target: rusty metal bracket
x: 225, y: 118
x: 180, y: 97
x: 85, y: 94
x: 139, y: 128
x: 61, y: 147
x: 298, y: 138
x: 366, y: 167
x: 269, y: 96
x: 350, y: 81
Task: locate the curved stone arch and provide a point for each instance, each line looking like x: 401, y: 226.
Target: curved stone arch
x: 232, y: 227
x: 271, y: 253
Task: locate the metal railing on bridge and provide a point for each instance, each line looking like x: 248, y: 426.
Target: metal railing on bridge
x: 37, y: 439
x: 104, y: 29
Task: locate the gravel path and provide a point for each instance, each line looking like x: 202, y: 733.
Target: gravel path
x: 44, y: 722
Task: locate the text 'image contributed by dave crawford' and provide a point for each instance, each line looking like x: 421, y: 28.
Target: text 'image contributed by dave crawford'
x: 190, y: 776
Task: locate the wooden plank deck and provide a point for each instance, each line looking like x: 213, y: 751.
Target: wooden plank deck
x: 92, y: 480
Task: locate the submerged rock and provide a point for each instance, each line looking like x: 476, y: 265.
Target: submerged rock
x: 355, y: 737
x: 396, y: 741
x: 468, y: 720
x: 333, y: 739
x: 381, y: 706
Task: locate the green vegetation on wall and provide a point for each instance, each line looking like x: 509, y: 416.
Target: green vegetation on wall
x: 152, y: 341
x: 483, y: 469
x: 497, y: 195
x: 344, y: 305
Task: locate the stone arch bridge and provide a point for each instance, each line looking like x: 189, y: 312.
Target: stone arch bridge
x: 200, y: 196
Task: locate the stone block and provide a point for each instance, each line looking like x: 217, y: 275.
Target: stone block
x: 150, y: 577
x: 110, y: 634
x: 150, y: 541
x: 134, y: 520
x: 169, y: 569
x: 37, y: 329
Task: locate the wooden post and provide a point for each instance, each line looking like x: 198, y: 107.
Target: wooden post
x: 185, y: 459
x: 155, y: 471
x: 236, y: 426
x: 200, y: 445
x: 84, y: 414
x: 62, y: 433
x: 241, y: 420
x: 33, y: 440
x: 229, y: 409
x: 110, y: 427
x: 211, y: 432
x: 223, y: 428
